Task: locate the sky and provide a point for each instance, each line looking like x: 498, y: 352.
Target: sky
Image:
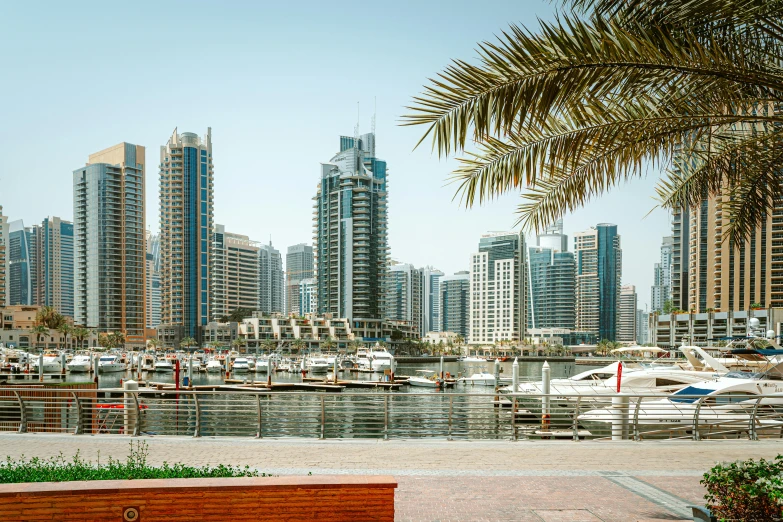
x: 278, y: 83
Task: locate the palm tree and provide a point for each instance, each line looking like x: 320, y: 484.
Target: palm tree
x: 237, y: 343
x: 564, y: 113
x: 354, y: 346
x: 328, y: 344
x: 154, y: 343
x: 65, y: 329
x: 80, y: 334
x: 269, y: 345
x: 39, y: 331
x: 299, y: 344
x: 49, y: 317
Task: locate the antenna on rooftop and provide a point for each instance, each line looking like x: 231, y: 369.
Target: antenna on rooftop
x: 374, y: 112
x: 356, y: 129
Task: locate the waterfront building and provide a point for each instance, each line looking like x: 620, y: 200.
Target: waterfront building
x: 152, y: 275
x: 21, y: 264
x: 271, y: 280
x: 313, y: 329
x: 642, y: 327
x: 186, y: 227
x: 430, y: 299
x: 553, y: 238
x: 298, y: 266
x: 16, y: 321
x: 404, y: 297
x: 308, y: 297
x: 4, y: 265
x: 598, y: 274
x: 626, y: 316
x: 551, y: 281
x: 235, y: 273
x: 454, y: 298
x: 681, y: 236
x: 497, y: 294
x: 661, y: 292
x: 54, y: 265
x: 350, y: 231
x: 109, y: 242
x: 670, y: 331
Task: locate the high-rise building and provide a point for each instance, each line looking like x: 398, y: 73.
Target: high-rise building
x: 454, y: 300
x: 271, y: 280
x: 553, y: 238
x: 4, y: 266
x: 404, y: 299
x: 235, y: 273
x: 497, y: 294
x: 598, y: 274
x: 298, y: 266
x: 21, y: 264
x: 680, y: 264
x: 54, y: 265
x: 109, y: 239
x: 551, y: 282
x: 430, y: 299
x: 661, y: 292
x: 153, y: 280
x: 308, y: 297
x: 186, y: 227
x: 350, y: 232
x: 626, y: 317
x: 642, y: 327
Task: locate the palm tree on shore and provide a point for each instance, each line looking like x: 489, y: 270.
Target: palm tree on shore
x: 238, y: 343
x: 80, y: 334
x: 39, y: 331
x: 269, y: 345
x: 563, y: 113
x: 65, y: 330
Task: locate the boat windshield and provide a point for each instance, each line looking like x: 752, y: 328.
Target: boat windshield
x: 744, y: 375
x: 107, y: 359
x: 690, y: 394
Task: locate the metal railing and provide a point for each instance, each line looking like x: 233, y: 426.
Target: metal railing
x: 385, y: 415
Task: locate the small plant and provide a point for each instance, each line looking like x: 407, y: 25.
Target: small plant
x: 746, y: 490
x: 60, y: 469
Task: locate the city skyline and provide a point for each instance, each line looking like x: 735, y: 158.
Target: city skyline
x: 249, y: 199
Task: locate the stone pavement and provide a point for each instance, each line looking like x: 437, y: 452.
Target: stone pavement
x: 443, y: 481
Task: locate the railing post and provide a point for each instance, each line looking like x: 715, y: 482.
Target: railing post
x: 323, y: 417
x: 130, y: 416
x: 137, y: 409
x: 451, y: 415
x: 576, y: 418
x: 22, y: 414
x: 752, y: 435
x: 514, y: 419
x: 636, y: 435
x: 79, y: 415
x: 197, y: 428
x: 258, y: 409
x: 385, y: 417
x: 696, y: 434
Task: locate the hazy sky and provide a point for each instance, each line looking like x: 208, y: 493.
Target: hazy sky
x: 278, y: 84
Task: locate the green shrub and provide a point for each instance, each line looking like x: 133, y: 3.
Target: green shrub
x: 746, y: 490
x: 60, y: 469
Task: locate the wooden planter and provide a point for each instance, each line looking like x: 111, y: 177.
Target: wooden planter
x: 295, y: 498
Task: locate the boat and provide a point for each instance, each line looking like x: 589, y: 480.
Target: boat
x: 214, y: 366
x: 473, y: 358
x: 363, y: 359
x: 317, y: 364
x: 50, y: 364
x: 380, y: 359
x: 164, y: 365
x: 79, y: 363
x: 262, y: 365
x: 482, y: 378
x: 240, y: 365
x: 110, y: 364
x: 427, y: 379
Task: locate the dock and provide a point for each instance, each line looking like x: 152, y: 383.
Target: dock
x: 396, y: 385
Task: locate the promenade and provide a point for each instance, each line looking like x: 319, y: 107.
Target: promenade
x: 552, y: 481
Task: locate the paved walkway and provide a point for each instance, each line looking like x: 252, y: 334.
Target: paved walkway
x: 453, y: 481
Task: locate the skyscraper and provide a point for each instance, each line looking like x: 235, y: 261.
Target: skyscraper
x: 551, y: 288
x: 109, y: 238
x: 598, y: 274
x: 351, y: 231
x: 642, y: 327
x: 661, y: 291
x: 553, y: 238
x: 153, y: 280
x: 454, y: 299
x: 298, y: 266
x: 681, y: 235
x: 497, y: 295
x: 308, y: 297
x: 430, y: 299
x: 4, y: 271
x: 626, y: 317
x: 54, y: 265
x: 235, y: 273
x: 271, y: 283
x: 186, y: 226
x: 404, y: 298
x: 21, y: 264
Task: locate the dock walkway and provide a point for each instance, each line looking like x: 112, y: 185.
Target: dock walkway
x: 462, y: 480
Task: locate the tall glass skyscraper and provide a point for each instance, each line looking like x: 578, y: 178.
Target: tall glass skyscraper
x: 552, y: 286
x: 4, y: 271
x: 454, y: 300
x: 430, y: 299
x: 186, y: 227
x: 298, y: 266
x: 109, y: 239
x: 271, y: 280
x: 351, y: 232
x: 404, y: 298
x: 598, y: 275
x: 54, y: 265
x: 21, y: 261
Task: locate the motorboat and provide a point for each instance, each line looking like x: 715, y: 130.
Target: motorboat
x: 380, y: 359
x: 318, y: 364
x: 482, y: 378
x: 50, y: 364
x: 110, y: 364
x: 363, y: 359
x: 164, y: 365
x: 240, y: 365
x: 473, y: 358
x: 79, y: 363
x: 214, y: 366
x: 262, y: 365
x: 427, y: 379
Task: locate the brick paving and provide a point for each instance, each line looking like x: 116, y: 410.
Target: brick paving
x: 461, y: 481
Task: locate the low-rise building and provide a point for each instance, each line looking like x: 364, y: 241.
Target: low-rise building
x: 669, y: 331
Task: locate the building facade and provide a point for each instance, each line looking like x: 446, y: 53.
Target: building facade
x: 186, y: 227
x: 152, y: 280
x: 235, y: 275
x: 497, y: 294
x: 661, y: 292
x: 642, y: 327
x: 109, y: 239
x: 404, y: 296
x: 21, y: 264
x: 271, y: 280
x: 551, y: 282
x: 627, y: 316
x: 598, y: 274
x: 308, y: 297
x: 454, y: 298
x: 670, y: 331
x: 4, y: 265
x: 298, y: 266
x: 430, y: 299
x: 54, y: 265
x: 680, y: 258
x: 350, y: 232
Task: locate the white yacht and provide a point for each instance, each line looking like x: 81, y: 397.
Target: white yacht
x: 240, y: 365
x: 363, y: 358
x: 482, y: 378
x: 214, y: 366
x: 164, y: 365
x: 50, y: 364
x: 317, y: 364
x: 262, y: 365
x: 473, y: 358
x: 426, y: 379
x: 380, y: 359
x: 79, y: 363
x: 110, y: 363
